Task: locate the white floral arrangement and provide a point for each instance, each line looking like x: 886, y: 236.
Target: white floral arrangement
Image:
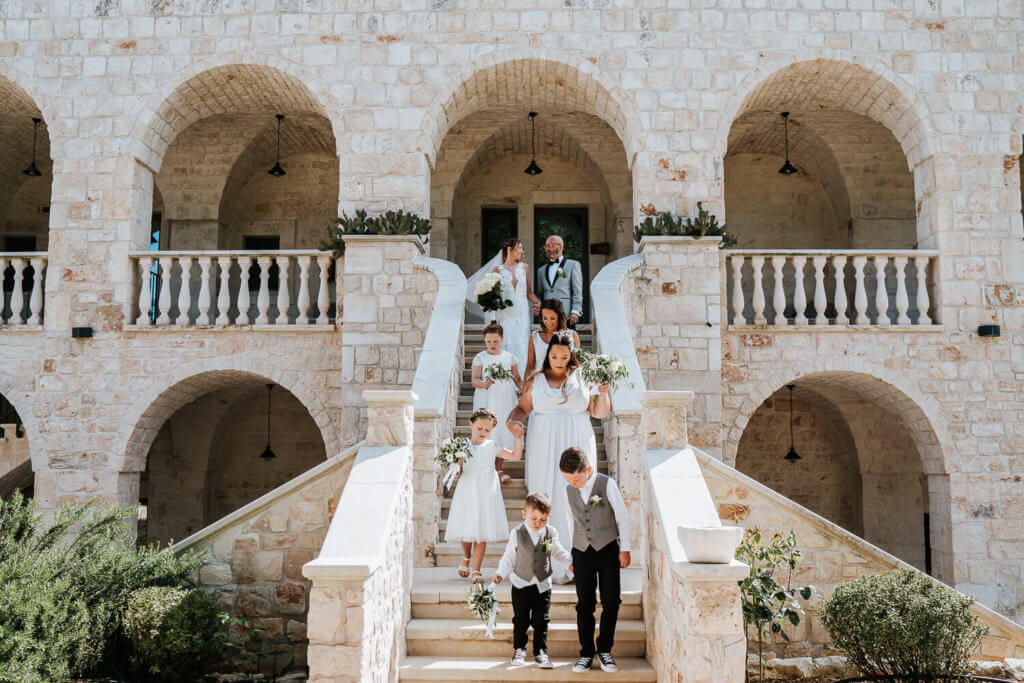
x: 489, y: 295
x: 595, y: 500
x: 454, y: 451
x: 481, y: 602
x: 598, y: 368
x: 498, y: 372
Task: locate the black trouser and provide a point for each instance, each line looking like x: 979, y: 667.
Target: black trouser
x: 594, y: 569
x: 530, y: 608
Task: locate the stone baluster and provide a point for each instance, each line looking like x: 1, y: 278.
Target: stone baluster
x: 223, y: 290
x: 799, y: 291
x: 820, y: 302
x: 302, y: 316
x: 321, y: 297
x: 923, y: 300
x: 184, y: 292
x: 839, y: 263
x: 860, y: 295
x: 145, y: 293
x: 35, y: 304
x: 244, y: 297
x: 204, y: 317
x: 881, y: 295
x: 263, y: 296
x: 737, y: 290
x: 3, y: 303
x: 165, y: 290
x: 778, y: 291
x: 902, y: 300
x: 757, y: 263
x: 18, y: 293
x: 283, y: 295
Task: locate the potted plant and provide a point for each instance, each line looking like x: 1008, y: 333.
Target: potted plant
x: 664, y: 224
x: 388, y: 223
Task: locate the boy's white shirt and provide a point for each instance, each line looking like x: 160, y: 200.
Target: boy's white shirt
x: 622, y: 519
x: 508, y: 559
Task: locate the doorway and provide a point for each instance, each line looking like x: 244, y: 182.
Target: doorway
x: 571, y: 223
x: 496, y: 226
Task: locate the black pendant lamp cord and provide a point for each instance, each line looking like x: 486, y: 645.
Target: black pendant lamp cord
x: 270, y: 389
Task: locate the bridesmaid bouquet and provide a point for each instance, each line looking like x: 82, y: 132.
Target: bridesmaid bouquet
x: 454, y: 451
x: 481, y: 602
x: 498, y: 372
x: 598, y: 368
x: 488, y: 293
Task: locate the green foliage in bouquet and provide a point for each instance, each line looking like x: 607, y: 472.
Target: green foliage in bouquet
x: 704, y: 225
x: 903, y: 624
x: 481, y: 602
x: 598, y: 368
x: 498, y: 372
x: 388, y: 223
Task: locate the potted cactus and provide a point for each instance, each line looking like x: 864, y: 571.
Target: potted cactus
x: 388, y: 223
x: 704, y: 224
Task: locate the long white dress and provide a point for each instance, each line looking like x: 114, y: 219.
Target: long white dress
x: 477, y: 513
x: 559, y: 420
x: 515, y: 320
x: 501, y: 398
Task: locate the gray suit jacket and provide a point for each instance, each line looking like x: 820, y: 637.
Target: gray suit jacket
x: 567, y: 288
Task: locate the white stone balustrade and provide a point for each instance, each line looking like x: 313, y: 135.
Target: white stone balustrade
x: 23, y: 277
x: 813, y: 289
x: 232, y: 288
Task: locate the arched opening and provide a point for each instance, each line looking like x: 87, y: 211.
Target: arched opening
x: 15, y: 463
x: 858, y: 148
x: 206, y: 438
x: 25, y: 178
x: 480, y: 194
x: 869, y: 462
x: 216, y: 143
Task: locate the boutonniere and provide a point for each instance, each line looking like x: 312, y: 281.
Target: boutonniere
x: 561, y: 272
x: 545, y: 545
x: 595, y: 500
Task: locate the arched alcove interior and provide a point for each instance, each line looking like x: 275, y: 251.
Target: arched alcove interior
x: 24, y: 199
x: 15, y: 461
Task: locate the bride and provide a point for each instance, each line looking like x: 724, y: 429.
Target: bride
x: 515, y: 285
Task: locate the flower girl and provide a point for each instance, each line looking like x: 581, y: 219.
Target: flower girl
x: 477, y: 513
x: 496, y: 378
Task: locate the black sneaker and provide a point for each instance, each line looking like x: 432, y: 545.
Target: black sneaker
x: 542, y: 660
x: 607, y: 662
x: 582, y: 665
x: 519, y: 657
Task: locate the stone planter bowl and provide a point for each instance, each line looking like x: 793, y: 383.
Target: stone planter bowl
x: 710, y: 544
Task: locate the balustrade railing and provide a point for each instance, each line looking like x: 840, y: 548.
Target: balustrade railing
x: 22, y: 297
x: 221, y: 288
x: 830, y: 288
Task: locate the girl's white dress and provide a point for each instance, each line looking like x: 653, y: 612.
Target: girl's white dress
x: 560, y: 419
x: 501, y: 398
x: 516, y: 320
x: 477, y: 512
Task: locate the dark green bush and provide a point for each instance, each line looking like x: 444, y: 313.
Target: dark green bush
x: 64, y: 585
x: 175, y: 634
x: 388, y: 223
x: 903, y: 623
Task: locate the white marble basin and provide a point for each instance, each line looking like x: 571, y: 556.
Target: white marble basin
x: 710, y: 544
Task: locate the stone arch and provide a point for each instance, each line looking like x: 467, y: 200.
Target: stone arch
x: 22, y: 196
x: 34, y: 431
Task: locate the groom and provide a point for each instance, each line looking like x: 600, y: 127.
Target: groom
x: 561, y: 279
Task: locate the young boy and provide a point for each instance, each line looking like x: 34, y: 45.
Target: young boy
x: 527, y: 560
x: 600, y: 548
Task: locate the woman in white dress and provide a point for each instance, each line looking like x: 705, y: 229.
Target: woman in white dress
x: 552, y: 320
x: 560, y: 405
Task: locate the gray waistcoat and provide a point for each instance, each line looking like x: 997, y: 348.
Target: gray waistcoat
x: 592, y: 525
x: 531, y: 561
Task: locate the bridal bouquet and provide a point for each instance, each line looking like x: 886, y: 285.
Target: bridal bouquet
x: 598, y: 368
x: 454, y: 451
x: 498, y: 372
x: 483, y: 604
x: 488, y: 293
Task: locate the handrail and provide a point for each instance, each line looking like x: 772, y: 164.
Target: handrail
x: 232, y: 252
x: 612, y: 333
x: 838, y: 252
x: 431, y: 383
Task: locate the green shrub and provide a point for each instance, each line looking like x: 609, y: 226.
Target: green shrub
x: 704, y: 225
x: 64, y: 585
x: 388, y: 223
x: 903, y: 623
x: 175, y: 634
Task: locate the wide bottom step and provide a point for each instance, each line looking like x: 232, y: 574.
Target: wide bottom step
x: 467, y: 638
x: 499, y: 669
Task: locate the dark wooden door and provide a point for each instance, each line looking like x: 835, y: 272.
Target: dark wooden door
x: 497, y: 225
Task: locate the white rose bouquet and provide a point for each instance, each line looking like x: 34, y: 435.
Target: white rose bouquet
x: 498, y: 372
x: 488, y: 293
x: 598, y: 368
x: 481, y: 602
x: 453, y: 452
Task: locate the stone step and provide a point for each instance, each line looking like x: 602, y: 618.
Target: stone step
x: 478, y: 328
x: 513, y: 508
x: 449, y: 554
x: 517, y: 468
x: 499, y: 669
x: 468, y: 637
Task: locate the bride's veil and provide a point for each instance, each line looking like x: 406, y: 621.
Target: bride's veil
x: 474, y: 313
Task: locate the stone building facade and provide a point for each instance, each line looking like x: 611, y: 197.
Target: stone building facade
x: 153, y: 221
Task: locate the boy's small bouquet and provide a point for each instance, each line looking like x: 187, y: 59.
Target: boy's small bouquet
x: 498, y: 372
x: 454, y: 451
x: 597, y: 368
x: 481, y: 602
x: 488, y: 293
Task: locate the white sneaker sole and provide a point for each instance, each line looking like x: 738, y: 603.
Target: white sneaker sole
x: 609, y: 669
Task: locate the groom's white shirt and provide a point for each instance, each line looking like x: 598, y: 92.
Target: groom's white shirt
x: 552, y: 271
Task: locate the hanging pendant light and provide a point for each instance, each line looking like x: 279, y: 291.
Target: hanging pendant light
x: 792, y: 456
x: 268, y: 452
x: 276, y: 170
x: 533, y: 168
x: 787, y: 168
x: 32, y: 169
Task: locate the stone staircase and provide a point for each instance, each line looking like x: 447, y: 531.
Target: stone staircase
x: 446, y: 642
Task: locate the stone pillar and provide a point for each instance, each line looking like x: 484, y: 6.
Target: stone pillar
x: 389, y: 417
x: 663, y: 421
x: 675, y: 308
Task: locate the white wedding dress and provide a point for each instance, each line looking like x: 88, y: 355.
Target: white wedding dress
x: 515, y: 320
